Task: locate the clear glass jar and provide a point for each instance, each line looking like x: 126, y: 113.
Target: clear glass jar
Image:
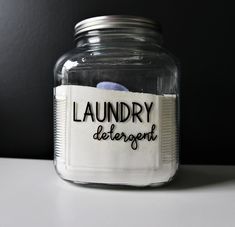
x: 116, y: 104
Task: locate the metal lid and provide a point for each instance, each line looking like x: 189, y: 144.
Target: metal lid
x: 115, y: 21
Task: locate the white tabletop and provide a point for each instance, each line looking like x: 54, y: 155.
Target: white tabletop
x: 31, y: 195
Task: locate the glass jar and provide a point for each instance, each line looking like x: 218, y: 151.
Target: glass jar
x: 116, y: 99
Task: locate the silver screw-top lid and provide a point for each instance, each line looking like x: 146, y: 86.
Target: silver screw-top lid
x: 115, y: 22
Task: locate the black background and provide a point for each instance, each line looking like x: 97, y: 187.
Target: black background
x: 33, y: 34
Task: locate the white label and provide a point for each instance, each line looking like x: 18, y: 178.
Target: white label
x: 107, y: 129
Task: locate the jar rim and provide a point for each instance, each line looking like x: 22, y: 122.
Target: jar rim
x: 115, y: 22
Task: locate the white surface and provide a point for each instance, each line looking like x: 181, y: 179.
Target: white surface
x: 31, y: 194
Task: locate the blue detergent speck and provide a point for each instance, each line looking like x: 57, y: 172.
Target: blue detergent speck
x: 111, y: 86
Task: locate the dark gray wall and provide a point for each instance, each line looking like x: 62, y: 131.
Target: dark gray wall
x: 33, y: 34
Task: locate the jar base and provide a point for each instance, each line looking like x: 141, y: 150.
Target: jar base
x: 118, y: 178
x: 118, y: 186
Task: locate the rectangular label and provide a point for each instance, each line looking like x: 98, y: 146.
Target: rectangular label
x: 106, y: 129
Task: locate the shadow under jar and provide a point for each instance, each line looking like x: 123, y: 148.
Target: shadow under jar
x: 116, y: 106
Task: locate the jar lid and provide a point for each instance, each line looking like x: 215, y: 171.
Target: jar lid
x: 115, y: 21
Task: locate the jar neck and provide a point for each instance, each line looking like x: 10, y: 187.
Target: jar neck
x: 120, y: 38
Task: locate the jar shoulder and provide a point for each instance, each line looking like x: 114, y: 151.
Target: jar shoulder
x: 154, y: 56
